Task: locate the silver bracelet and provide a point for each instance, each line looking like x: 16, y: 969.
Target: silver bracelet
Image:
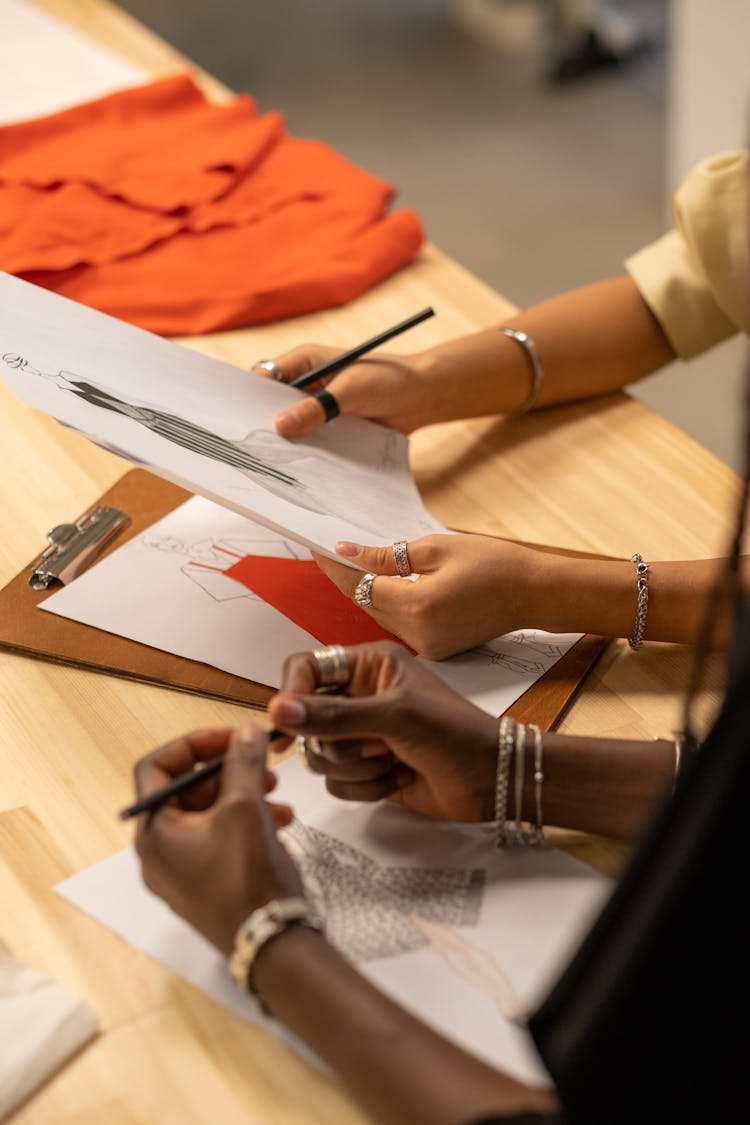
x: 537, y: 369
x: 641, y: 577
x: 537, y: 836
x: 518, y: 780
x: 505, y: 742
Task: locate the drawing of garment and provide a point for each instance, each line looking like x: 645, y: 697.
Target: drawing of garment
x: 296, y: 472
x: 209, y: 559
x: 368, y: 907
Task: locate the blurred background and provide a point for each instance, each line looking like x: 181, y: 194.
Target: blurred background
x: 538, y: 140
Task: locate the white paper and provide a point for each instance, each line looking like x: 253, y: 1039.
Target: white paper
x: 466, y: 937
x: 41, y: 1026
x: 46, y: 66
x: 165, y: 588
x: 158, y: 403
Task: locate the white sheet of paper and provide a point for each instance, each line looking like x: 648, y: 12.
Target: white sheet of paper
x: 206, y: 425
x: 46, y: 66
x: 171, y: 594
x: 466, y: 937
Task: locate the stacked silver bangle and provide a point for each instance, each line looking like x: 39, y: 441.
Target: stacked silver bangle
x: 511, y: 755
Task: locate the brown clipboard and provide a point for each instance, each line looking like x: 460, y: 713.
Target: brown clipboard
x: 147, y: 498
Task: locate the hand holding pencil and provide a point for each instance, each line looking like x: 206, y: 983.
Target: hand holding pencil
x: 214, y: 856
x: 372, y: 384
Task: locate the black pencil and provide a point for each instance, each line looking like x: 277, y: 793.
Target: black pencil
x: 185, y: 781
x: 339, y: 361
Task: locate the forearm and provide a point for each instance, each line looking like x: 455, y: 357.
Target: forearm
x: 397, y: 1067
x: 600, y: 597
x: 609, y: 787
x: 591, y: 341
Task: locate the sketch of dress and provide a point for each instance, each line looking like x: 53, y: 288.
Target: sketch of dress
x: 207, y: 560
x: 368, y: 908
x: 298, y: 472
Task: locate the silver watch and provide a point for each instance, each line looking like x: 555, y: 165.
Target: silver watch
x: 263, y: 925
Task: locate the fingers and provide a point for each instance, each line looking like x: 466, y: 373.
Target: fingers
x: 424, y: 555
x: 301, y: 418
x: 336, y: 716
x: 244, y: 771
x: 391, y: 594
x: 298, y: 361
x: 158, y: 768
x: 352, y: 768
x: 354, y: 778
x: 378, y: 560
x: 376, y: 790
x: 307, y: 415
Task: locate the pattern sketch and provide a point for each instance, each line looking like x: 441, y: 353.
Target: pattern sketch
x: 208, y: 559
x: 522, y: 652
x: 296, y: 472
x: 371, y: 910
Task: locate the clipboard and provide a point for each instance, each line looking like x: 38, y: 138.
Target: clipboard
x: 147, y: 498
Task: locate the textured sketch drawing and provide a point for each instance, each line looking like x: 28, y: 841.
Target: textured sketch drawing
x: 522, y: 652
x: 298, y: 472
x: 207, y: 560
x: 370, y: 909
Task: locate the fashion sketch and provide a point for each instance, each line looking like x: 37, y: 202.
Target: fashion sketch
x: 208, y: 560
x: 370, y: 909
x: 297, y: 472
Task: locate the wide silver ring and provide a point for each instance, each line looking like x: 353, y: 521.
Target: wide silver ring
x: 401, y: 555
x: 271, y: 367
x: 333, y: 665
x: 363, y: 591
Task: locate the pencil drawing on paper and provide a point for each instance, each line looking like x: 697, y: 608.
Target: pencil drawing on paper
x: 207, y: 560
x: 298, y: 472
x: 370, y: 909
x: 523, y: 652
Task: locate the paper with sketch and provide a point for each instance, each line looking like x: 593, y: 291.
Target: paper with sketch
x: 173, y: 593
x: 206, y: 425
x: 466, y: 937
x: 46, y: 65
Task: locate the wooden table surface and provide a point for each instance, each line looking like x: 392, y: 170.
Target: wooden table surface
x: 609, y: 477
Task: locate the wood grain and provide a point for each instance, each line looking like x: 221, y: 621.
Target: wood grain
x: 609, y: 477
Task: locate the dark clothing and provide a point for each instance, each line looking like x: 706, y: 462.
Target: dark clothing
x: 647, y: 1023
x: 525, y: 1119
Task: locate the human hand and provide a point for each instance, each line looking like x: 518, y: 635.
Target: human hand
x: 384, y: 388
x: 471, y: 588
x: 214, y: 856
x: 399, y: 733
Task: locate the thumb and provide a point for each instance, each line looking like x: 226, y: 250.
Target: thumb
x: 244, y: 771
x: 301, y: 418
x: 378, y: 560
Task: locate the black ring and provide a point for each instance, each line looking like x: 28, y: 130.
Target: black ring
x: 329, y: 404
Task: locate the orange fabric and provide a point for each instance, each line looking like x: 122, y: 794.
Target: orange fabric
x: 185, y: 217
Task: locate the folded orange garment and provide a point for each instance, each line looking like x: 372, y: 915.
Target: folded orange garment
x: 185, y: 217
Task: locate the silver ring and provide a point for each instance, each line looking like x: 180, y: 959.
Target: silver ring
x: 333, y: 665
x: 363, y: 591
x: 401, y: 555
x: 271, y: 367
x: 300, y: 745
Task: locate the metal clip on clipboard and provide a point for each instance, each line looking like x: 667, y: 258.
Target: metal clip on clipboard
x: 74, y: 546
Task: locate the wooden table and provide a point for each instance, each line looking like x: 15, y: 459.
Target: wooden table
x: 609, y: 477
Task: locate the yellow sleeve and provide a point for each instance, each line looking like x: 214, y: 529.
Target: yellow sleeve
x: 695, y: 278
